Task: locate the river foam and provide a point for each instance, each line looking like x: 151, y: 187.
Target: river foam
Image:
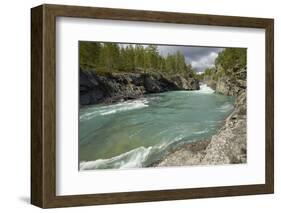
x: 115, y: 108
x: 135, y: 158
x: 131, y: 159
x: 205, y: 89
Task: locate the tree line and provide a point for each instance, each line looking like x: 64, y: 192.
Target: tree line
x: 227, y: 63
x: 111, y: 57
x: 231, y: 57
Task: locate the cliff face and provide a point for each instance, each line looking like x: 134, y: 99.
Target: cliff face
x: 114, y: 87
x: 232, y: 83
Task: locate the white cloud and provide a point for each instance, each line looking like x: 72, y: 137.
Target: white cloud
x: 199, y: 57
x: 204, y: 62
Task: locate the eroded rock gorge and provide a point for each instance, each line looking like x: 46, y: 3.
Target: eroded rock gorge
x: 113, y: 87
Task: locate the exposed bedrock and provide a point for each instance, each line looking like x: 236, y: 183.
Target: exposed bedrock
x: 231, y: 84
x: 112, y: 87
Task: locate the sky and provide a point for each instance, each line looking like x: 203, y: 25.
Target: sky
x: 200, y: 58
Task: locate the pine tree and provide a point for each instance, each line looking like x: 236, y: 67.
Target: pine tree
x: 139, y: 57
x: 112, y: 57
x: 89, y: 54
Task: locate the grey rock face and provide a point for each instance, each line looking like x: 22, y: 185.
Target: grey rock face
x: 114, y: 87
x: 152, y: 84
x: 185, y: 83
x: 227, y: 86
x: 232, y: 83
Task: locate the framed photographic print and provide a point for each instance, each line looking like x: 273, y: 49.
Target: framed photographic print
x: 136, y: 106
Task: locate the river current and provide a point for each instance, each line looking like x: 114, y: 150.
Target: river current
x: 136, y: 133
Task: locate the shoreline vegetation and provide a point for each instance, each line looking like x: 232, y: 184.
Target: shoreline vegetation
x: 111, y: 73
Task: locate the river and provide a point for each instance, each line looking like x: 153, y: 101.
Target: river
x: 136, y: 133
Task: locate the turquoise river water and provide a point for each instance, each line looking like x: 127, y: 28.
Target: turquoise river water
x: 136, y: 133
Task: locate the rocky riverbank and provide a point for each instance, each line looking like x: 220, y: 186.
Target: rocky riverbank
x: 112, y: 87
x: 229, y: 144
